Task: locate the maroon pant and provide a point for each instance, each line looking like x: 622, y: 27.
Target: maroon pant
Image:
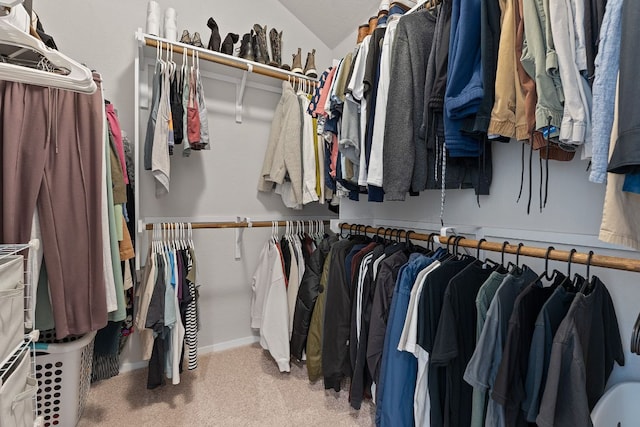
x: 51, y: 149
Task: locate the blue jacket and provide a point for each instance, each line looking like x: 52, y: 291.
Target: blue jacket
x: 464, y: 91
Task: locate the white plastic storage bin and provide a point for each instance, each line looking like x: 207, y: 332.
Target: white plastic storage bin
x: 618, y: 407
x: 63, y: 370
x: 16, y: 395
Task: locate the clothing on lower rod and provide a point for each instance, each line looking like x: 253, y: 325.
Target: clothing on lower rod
x: 51, y: 144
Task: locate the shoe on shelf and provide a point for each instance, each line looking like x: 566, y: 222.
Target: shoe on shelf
x: 153, y: 18
x: 229, y: 41
x: 261, y: 35
x: 310, y: 65
x: 171, y: 24
x: 246, y: 50
x: 196, y: 41
x: 296, y: 66
x: 214, y: 40
x: 276, y: 47
x: 258, y: 54
x: 186, y: 37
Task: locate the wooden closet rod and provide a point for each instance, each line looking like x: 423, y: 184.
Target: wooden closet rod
x: 616, y: 263
x: 230, y: 61
x: 244, y: 224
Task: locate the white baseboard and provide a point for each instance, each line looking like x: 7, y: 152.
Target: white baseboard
x: 226, y: 345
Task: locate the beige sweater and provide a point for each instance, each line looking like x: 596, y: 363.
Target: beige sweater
x: 284, y: 152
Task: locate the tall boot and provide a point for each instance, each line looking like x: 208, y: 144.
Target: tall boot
x: 310, y: 65
x: 261, y: 35
x: 258, y: 55
x: 227, y: 44
x: 296, y: 67
x: 246, y: 49
x: 214, y: 40
x: 276, y: 47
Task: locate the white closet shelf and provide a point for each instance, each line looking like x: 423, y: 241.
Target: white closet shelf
x: 224, y: 59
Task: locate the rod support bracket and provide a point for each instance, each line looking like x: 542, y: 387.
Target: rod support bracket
x: 240, y: 89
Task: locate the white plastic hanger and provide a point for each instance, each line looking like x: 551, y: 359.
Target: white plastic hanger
x: 69, y: 74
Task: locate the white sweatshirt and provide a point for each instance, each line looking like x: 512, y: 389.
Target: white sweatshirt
x: 269, y: 307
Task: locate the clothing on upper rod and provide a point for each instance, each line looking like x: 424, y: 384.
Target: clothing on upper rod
x: 493, y: 84
x: 178, y: 115
x: 442, y: 335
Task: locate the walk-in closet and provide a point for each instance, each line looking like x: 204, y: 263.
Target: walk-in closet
x: 417, y: 213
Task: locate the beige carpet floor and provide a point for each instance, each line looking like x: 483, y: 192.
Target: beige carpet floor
x: 239, y: 387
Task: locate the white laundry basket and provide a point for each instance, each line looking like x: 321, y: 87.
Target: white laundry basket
x: 63, y: 370
x: 618, y: 407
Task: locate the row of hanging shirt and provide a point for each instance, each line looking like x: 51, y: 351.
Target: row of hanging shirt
x: 442, y: 339
x: 298, y: 155
x: 275, y: 285
x: 166, y: 304
x: 418, y: 111
x: 178, y: 115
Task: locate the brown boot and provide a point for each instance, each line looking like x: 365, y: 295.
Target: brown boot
x: 363, y: 31
x: 373, y: 22
x: 296, y: 66
x: 246, y: 49
x: 227, y: 44
x: 261, y: 34
x: 310, y: 65
x: 276, y: 47
x: 258, y: 54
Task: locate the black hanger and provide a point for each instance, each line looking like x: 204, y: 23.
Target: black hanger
x: 456, y: 245
x: 344, y: 227
x: 515, y: 268
x: 478, y: 247
x: 586, y: 286
x: 399, y: 233
x: 449, y: 242
x: 407, y: 239
x: 504, y: 245
x: 567, y: 283
x: 545, y: 275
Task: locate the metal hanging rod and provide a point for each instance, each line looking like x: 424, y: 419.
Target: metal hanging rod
x: 228, y: 60
x: 243, y: 224
x: 616, y: 263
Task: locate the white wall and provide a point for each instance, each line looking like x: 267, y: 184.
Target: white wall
x: 571, y: 219
x: 215, y: 185
x: 346, y: 46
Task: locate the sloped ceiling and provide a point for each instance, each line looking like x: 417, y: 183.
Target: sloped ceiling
x: 332, y: 20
